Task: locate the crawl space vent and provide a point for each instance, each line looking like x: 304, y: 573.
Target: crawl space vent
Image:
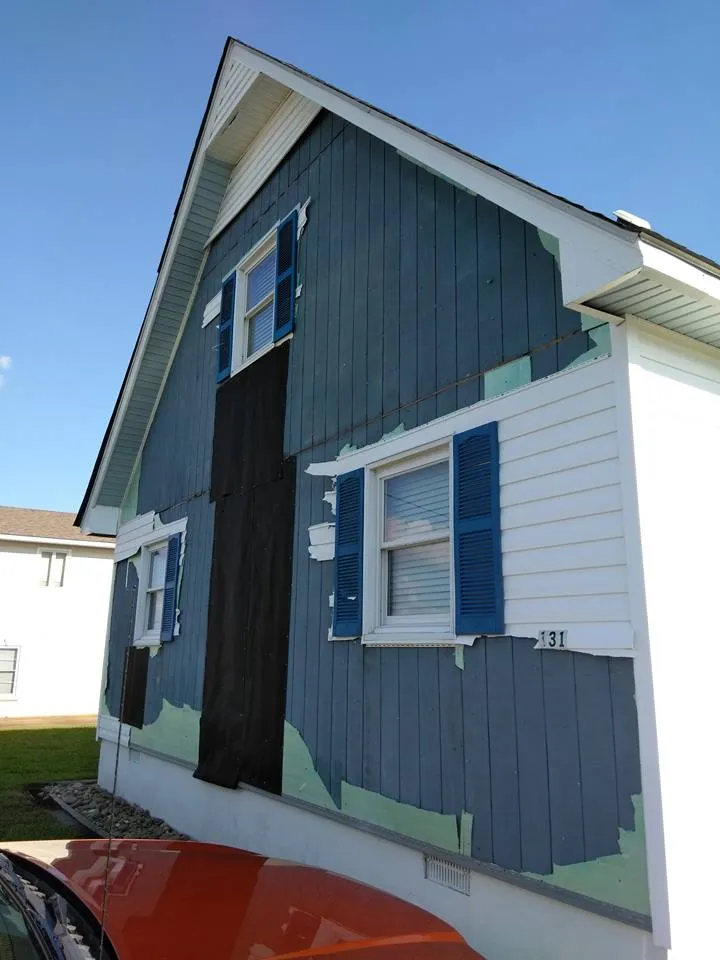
x: 447, y: 874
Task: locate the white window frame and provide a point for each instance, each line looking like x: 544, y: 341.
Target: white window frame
x: 159, y: 537
x: 261, y: 249
x: 16, y: 671
x: 377, y: 627
x: 54, y: 553
x: 240, y: 358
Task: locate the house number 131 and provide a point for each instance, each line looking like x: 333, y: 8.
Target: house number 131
x: 552, y: 639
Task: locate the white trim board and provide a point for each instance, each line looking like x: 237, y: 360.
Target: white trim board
x: 53, y: 541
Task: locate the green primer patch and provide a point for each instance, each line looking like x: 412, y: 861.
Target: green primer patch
x: 300, y: 778
x: 599, y: 334
x: 510, y: 376
x: 175, y: 733
x: 440, y: 829
x: 550, y: 243
x: 620, y: 879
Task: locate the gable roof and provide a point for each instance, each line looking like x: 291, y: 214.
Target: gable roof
x: 607, y: 267
x: 45, y: 525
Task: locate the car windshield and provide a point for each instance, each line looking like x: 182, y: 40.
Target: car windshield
x: 40, y: 917
x: 16, y: 941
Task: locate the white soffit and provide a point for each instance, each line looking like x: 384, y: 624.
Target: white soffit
x: 668, y: 292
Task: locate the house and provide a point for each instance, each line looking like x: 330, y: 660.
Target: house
x: 413, y: 479
x: 54, y: 595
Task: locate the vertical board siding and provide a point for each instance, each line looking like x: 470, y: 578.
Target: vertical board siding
x: 176, y: 459
x: 412, y: 289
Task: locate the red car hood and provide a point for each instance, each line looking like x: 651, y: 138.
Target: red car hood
x: 190, y: 901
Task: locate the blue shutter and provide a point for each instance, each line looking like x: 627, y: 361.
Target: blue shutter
x: 285, y: 276
x: 225, y: 329
x: 347, y: 612
x: 479, y: 604
x: 172, y: 570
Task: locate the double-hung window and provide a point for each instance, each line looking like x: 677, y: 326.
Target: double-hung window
x: 257, y: 287
x: 257, y: 300
x: 417, y: 544
x: 156, y: 615
x: 156, y: 561
x: 8, y: 671
x: 414, y: 571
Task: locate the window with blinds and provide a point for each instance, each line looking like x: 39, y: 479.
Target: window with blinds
x: 260, y: 305
x: 415, y: 545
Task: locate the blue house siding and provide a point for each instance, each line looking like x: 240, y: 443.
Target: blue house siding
x: 514, y: 735
x: 412, y: 290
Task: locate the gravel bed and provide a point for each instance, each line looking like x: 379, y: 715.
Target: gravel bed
x: 94, y: 804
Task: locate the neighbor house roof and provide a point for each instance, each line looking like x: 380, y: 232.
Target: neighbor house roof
x: 258, y: 107
x: 45, y: 525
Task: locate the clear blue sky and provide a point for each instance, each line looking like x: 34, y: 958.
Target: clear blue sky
x: 613, y: 104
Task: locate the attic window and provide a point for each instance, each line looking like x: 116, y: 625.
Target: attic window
x: 257, y: 286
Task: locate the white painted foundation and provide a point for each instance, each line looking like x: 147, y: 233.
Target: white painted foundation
x: 500, y: 920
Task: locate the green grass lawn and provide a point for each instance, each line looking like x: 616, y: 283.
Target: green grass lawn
x: 41, y: 756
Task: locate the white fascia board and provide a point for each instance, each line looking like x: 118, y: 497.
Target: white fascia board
x: 98, y: 519
x: 54, y: 541
x: 686, y: 277
x: 158, y: 290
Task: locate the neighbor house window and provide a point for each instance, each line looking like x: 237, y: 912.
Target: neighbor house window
x: 8, y: 671
x: 417, y: 544
x: 53, y: 568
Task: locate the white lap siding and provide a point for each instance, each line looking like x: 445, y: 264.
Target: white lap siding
x: 564, y: 560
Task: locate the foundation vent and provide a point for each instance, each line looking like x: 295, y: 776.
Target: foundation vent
x: 447, y: 874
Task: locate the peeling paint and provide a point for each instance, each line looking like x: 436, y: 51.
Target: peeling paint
x: 395, y: 432
x: 348, y: 448
x: 510, y: 376
x: 599, y: 333
x: 460, y: 656
x: 620, y: 879
x: 330, y: 496
x: 439, y: 829
x: 322, y: 541
x: 175, y: 733
x: 303, y: 218
x: 301, y: 780
x: 465, y: 833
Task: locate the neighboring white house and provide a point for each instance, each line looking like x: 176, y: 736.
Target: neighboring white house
x: 54, y: 594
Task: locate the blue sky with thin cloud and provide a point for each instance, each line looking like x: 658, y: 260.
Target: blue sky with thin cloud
x: 612, y: 104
